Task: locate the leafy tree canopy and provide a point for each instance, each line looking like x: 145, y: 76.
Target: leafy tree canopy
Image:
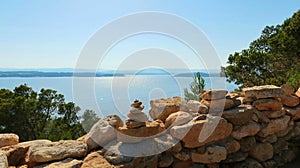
x: 43, y: 115
x: 274, y: 58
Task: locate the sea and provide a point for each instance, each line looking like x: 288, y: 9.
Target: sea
x: 113, y: 95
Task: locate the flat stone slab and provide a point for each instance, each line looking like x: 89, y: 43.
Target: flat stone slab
x: 260, y: 92
x: 213, y: 94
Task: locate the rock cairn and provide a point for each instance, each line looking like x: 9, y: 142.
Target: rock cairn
x: 258, y: 127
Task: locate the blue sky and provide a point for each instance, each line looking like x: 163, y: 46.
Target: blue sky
x: 51, y: 34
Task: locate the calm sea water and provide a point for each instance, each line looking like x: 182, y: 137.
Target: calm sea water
x: 113, y: 95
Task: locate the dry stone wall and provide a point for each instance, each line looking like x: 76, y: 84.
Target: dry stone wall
x: 258, y: 127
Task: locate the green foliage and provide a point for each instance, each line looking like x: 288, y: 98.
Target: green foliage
x: 89, y: 118
x: 274, y: 58
x: 196, y: 88
x: 43, y: 115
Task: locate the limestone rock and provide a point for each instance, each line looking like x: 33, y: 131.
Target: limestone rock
x: 137, y: 134
x: 162, y: 108
x: 209, y: 130
x: 298, y: 93
x: 232, y: 146
x: 8, y: 139
x: 182, y: 164
x: 213, y: 94
x: 95, y: 159
x: 260, y: 117
x: 213, y: 154
x: 3, y: 160
x: 280, y: 146
x: 287, y: 89
x: 182, y: 155
x: 114, y: 120
x: 218, y: 105
x: 290, y: 100
x: 274, y: 114
x: 247, y: 143
x: 269, y: 139
x: 16, y: 154
x: 293, y: 112
x: 67, y: 163
x: 178, y: 118
x: 248, y: 163
x: 139, y: 117
x: 147, y: 147
x: 275, y: 126
x: 250, y: 129
x: 261, y: 92
x: 262, y: 151
x: 268, y: 104
x: 165, y: 160
x: 134, y: 124
x: 58, y: 151
x: 100, y: 134
x: 197, y: 107
x: 239, y: 115
x: 176, y: 148
x: 236, y: 157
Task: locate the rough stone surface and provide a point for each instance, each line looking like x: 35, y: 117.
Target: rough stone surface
x: 274, y: 114
x: 213, y: 154
x: 210, y: 129
x: 247, y: 143
x: 67, y: 163
x: 100, y: 134
x: 8, y: 139
x: 266, y: 91
x: 218, y: 105
x: 269, y: 139
x: 250, y: 129
x: 260, y: 117
x: 95, y: 159
x: 290, y: 100
x: 178, y: 118
x: 16, y: 154
x: 196, y: 107
x: 287, y: 89
x: 137, y: 134
x: 165, y: 160
x: 298, y: 93
x: 162, y: 108
x: 58, y: 151
x: 275, y: 126
x: 232, y: 146
x: 213, y: 94
x: 182, y: 155
x: 149, y: 147
x: 293, y: 112
x: 114, y: 120
x: 134, y: 124
x: 262, y: 151
x: 268, y: 104
x: 248, y: 163
x: 239, y: 115
x: 3, y: 160
x: 236, y: 157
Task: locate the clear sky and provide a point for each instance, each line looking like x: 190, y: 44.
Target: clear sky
x: 51, y: 34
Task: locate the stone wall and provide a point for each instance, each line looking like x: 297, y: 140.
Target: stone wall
x: 258, y: 127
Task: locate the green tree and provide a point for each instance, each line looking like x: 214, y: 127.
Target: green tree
x: 274, y: 58
x: 89, y: 118
x: 34, y: 115
x: 196, y: 88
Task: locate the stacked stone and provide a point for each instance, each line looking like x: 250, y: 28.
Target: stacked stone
x: 261, y: 132
x: 138, y: 127
x: 218, y: 100
x: 136, y: 118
